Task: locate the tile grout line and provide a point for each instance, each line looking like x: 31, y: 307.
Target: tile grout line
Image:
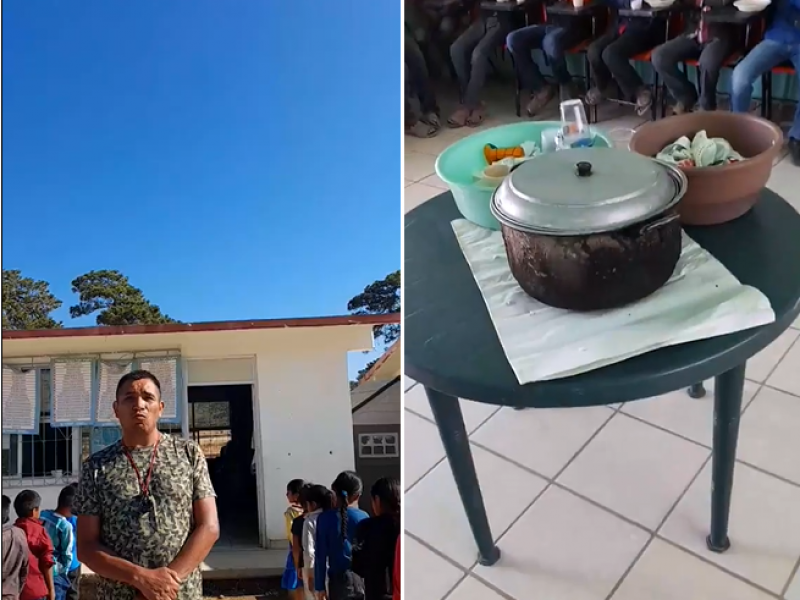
x: 438, y: 462
x: 655, y: 531
x: 692, y: 553
x: 719, y: 567
x: 480, y: 445
x: 551, y: 482
x: 449, y: 592
x: 436, y: 551
x: 465, y: 574
x: 792, y: 575
x: 761, y: 470
x: 786, y: 352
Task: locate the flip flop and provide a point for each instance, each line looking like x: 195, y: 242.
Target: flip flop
x: 432, y: 119
x: 539, y: 101
x: 476, y: 117
x: 458, y: 118
x: 422, y: 130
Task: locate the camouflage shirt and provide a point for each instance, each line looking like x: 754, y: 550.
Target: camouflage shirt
x: 149, y: 534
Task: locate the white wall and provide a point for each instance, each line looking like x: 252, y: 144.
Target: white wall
x: 304, y: 422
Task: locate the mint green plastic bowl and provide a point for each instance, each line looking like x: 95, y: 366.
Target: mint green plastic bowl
x: 457, y: 165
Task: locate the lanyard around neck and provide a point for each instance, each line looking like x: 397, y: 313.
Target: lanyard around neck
x: 144, y: 484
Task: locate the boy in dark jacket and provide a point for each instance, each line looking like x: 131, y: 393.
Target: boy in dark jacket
x: 610, y: 56
x: 710, y: 43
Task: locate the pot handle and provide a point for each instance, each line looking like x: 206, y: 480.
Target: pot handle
x: 659, y: 223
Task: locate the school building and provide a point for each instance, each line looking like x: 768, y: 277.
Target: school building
x: 268, y: 401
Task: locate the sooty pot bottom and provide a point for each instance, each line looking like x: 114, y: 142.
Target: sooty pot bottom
x: 597, y: 271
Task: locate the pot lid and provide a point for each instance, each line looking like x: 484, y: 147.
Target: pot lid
x: 586, y: 190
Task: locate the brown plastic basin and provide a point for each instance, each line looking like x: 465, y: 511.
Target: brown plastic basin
x: 717, y: 194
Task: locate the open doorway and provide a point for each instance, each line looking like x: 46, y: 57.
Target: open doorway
x: 221, y: 422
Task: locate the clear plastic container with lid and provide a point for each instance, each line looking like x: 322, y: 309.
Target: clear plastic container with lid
x: 575, y: 132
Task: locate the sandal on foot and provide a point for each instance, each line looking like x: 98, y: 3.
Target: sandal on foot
x: 539, y: 100
x: 432, y: 119
x: 458, y: 118
x: 476, y: 117
x: 422, y: 130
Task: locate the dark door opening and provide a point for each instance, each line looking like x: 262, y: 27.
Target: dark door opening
x: 221, y: 421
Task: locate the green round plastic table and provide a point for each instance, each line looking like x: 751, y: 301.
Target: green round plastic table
x: 451, y: 347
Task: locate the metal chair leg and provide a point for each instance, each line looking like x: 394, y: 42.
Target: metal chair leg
x: 517, y: 88
x: 654, y: 99
x: 592, y: 112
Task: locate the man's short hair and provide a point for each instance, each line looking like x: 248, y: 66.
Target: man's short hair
x: 137, y: 375
x: 67, y: 497
x: 26, y: 502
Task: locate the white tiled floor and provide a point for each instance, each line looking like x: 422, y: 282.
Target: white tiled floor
x: 600, y: 503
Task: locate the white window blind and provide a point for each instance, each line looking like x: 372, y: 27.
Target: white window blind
x: 108, y: 375
x: 72, y: 392
x: 167, y: 372
x: 20, y: 400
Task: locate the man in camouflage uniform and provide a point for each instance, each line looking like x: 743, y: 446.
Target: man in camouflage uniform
x: 147, y: 514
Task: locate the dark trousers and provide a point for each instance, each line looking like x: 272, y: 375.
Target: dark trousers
x: 610, y: 56
x: 470, y: 54
x: 554, y: 41
x: 711, y: 55
x: 345, y: 586
x: 418, y: 81
x: 74, y: 591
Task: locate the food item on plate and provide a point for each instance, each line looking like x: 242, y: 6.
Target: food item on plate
x: 701, y: 151
x: 493, y: 154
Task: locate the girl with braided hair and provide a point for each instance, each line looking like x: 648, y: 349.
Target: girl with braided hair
x: 336, y: 531
x: 376, y: 540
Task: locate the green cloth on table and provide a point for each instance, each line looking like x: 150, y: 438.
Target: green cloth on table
x: 702, y: 151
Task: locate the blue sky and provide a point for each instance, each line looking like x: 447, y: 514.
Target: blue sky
x: 235, y: 158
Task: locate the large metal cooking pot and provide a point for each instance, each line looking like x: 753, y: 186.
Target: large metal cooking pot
x: 591, y: 228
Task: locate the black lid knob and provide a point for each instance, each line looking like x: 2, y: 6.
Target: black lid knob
x: 584, y: 169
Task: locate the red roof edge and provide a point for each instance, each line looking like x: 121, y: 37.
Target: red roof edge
x: 368, y: 375
x: 335, y: 321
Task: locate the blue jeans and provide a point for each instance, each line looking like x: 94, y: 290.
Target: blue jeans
x: 765, y: 56
x: 553, y: 41
x: 62, y: 585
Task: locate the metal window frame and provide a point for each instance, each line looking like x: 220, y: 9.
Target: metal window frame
x: 361, y: 446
